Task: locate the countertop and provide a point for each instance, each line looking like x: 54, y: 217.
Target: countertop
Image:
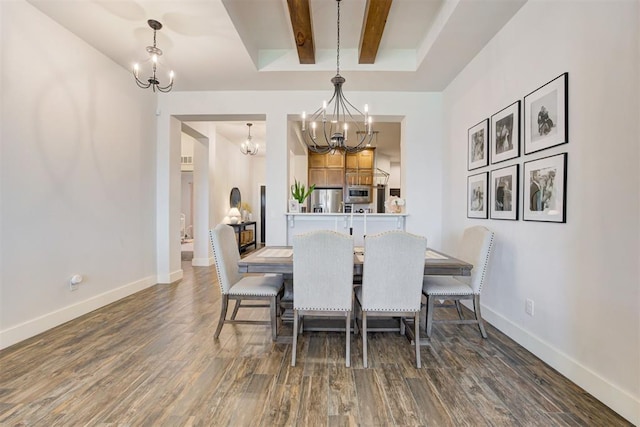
x: 327, y: 214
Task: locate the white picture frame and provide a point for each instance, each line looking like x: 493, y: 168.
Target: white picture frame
x: 294, y: 206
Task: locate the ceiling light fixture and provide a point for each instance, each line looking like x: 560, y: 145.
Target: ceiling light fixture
x: 154, y: 53
x: 335, y: 118
x: 249, y: 147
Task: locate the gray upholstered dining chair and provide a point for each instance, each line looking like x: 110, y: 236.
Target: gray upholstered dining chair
x: 392, y: 281
x: 475, y: 248
x: 235, y: 286
x: 322, y: 280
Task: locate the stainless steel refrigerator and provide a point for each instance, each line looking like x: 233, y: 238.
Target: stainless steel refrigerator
x: 326, y: 200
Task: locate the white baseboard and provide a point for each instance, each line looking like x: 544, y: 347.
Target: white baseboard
x: 166, y: 279
x: 47, y: 321
x: 615, y: 398
x: 202, y: 262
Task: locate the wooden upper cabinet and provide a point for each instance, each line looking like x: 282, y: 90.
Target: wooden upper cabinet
x: 333, y: 170
x: 361, y: 160
x: 335, y: 160
x: 325, y: 177
x: 365, y: 159
x: 352, y: 161
x: 328, y: 160
x: 316, y: 160
x: 317, y: 177
x: 365, y: 177
x: 359, y: 177
x: 335, y: 177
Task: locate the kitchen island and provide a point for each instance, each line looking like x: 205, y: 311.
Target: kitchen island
x: 361, y: 223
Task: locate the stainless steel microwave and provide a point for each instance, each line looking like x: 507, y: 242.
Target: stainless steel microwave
x: 358, y: 194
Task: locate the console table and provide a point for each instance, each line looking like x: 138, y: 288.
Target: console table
x: 245, y: 235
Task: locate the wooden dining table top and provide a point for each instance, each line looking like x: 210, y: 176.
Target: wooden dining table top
x: 279, y: 259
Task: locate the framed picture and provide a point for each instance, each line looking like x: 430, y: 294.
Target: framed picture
x: 546, y: 114
x: 478, y: 145
x: 294, y: 206
x: 504, y: 192
x: 545, y: 189
x: 505, y: 133
x: 477, y: 195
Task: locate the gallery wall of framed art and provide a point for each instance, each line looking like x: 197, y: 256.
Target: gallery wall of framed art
x: 499, y: 191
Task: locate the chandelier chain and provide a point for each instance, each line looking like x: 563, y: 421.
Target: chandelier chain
x: 330, y: 124
x: 338, y: 43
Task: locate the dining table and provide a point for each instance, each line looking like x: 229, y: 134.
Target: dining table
x: 279, y: 260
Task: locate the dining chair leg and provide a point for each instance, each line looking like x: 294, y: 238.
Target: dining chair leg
x: 274, y: 319
x: 278, y: 306
x: 348, y: 336
x: 459, y: 308
x: 476, y: 310
x: 416, y: 338
x: 223, y: 314
x: 364, y: 339
x: 429, y: 325
x: 235, y: 309
x: 295, y: 338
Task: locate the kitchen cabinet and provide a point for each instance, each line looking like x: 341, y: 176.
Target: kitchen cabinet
x: 360, y: 160
x: 329, y: 160
x: 331, y: 178
x: 326, y: 170
x: 359, y: 177
x: 359, y: 167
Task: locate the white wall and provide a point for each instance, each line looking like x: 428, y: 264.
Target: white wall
x: 422, y: 139
x: 185, y: 201
x: 582, y: 275
x: 78, y: 177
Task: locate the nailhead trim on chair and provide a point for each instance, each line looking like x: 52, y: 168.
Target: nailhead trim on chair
x: 486, y: 262
x: 255, y: 294
x: 215, y: 259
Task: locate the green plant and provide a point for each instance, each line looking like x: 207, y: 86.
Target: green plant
x: 300, y: 192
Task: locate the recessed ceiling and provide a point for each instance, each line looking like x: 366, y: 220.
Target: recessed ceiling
x: 248, y: 44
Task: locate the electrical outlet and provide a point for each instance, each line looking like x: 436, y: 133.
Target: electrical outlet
x: 74, y: 282
x: 529, y: 307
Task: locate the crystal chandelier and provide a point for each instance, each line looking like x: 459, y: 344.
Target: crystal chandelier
x: 327, y: 127
x: 249, y: 147
x: 154, y: 52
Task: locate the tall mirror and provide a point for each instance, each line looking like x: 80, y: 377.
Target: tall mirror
x: 234, y: 198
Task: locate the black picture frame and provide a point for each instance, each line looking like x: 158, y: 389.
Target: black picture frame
x: 546, y: 115
x: 545, y: 189
x: 477, y: 195
x: 504, y: 193
x: 505, y: 133
x: 478, y: 145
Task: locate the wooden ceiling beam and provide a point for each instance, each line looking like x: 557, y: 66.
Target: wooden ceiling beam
x: 375, y: 18
x: 300, y: 14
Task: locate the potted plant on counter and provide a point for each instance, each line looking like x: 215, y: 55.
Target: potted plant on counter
x: 300, y: 193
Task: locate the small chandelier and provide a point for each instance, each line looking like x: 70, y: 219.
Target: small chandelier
x: 154, y: 52
x: 249, y: 147
x: 328, y: 125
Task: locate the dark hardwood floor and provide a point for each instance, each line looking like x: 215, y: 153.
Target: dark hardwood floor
x: 150, y: 360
